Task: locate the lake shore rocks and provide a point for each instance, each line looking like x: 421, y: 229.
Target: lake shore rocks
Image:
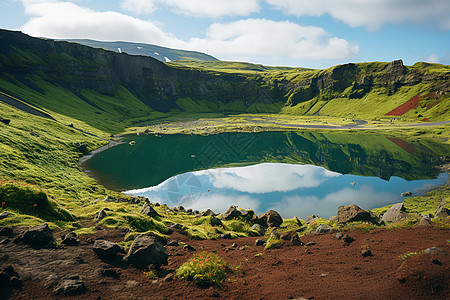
x: 145, y: 251
x: 354, y: 213
x: 396, y: 213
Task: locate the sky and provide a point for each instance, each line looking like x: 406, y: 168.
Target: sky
x: 295, y: 33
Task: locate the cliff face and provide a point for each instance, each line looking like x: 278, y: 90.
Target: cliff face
x: 76, y: 68
x: 363, y: 78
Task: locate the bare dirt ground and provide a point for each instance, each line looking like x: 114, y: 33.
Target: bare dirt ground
x: 328, y: 268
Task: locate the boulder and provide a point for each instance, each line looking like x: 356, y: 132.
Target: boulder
x: 270, y: 219
x: 231, y: 213
x: 292, y: 238
x: 442, y: 212
x: 148, y: 210
x: 70, y: 239
x: 258, y: 228
x: 353, y: 213
x: 311, y: 219
x: 396, y: 213
x: 425, y: 221
x: 215, y: 221
x: 208, y: 213
x: 145, y: 251
x: 106, y: 249
x: 323, y: 228
x: 38, y: 237
x: 71, y: 286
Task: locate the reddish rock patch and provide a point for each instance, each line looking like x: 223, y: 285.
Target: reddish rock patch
x: 403, y: 144
x: 413, y: 103
x: 327, y: 269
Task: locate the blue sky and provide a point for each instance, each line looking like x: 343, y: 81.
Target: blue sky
x: 297, y: 33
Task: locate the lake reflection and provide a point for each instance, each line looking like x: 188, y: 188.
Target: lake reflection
x: 292, y: 190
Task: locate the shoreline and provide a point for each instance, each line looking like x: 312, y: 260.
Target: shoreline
x: 86, y: 157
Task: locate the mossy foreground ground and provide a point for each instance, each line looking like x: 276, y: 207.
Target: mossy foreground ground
x: 40, y: 181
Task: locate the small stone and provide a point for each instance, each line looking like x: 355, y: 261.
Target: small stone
x: 70, y: 239
x: 225, y: 236
x: 434, y: 251
x: 110, y: 272
x: 260, y: 242
x: 234, y: 245
x: 213, y: 221
x: 173, y: 244
x: 348, y: 239
x: 105, y: 249
x: 339, y: 235
x: 366, y: 251
x: 70, y: 287
x: 189, y: 248
x: 310, y: 244
x: 406, y: 194
x: 169, y: 277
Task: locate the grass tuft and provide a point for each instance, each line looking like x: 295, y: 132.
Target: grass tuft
x: 205, y: 269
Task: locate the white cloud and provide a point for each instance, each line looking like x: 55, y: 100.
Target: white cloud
x: 255, y: 39
x: 203, y: 8
x: 269, y: 177
x: 139, y: 6
x: 55, y: 19
x: 372, y: 14
x: 432, y: 58
x: 261, y: 37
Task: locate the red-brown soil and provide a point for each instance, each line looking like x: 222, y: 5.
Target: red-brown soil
x: 403, y: 144
x: 330, y: 269
x: 413, y: 103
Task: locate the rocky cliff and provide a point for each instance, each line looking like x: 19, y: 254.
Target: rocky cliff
x: 77, y: 69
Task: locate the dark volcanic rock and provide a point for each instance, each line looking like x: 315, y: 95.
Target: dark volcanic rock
x: 70, y: 239
x: 353, y: 213
x: 215, y: 221
x: 71, y: 286
x: 148, y: 210
x: 270, y: 219
x: 106, y: 249
x: 38, y: 237
x: 231, y: 213
x: 208, y: 213
x: 260, y: 242
x: 258, y: 228
x: 146, y: 250
x: 396, y: 213
x: 323, y: 228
